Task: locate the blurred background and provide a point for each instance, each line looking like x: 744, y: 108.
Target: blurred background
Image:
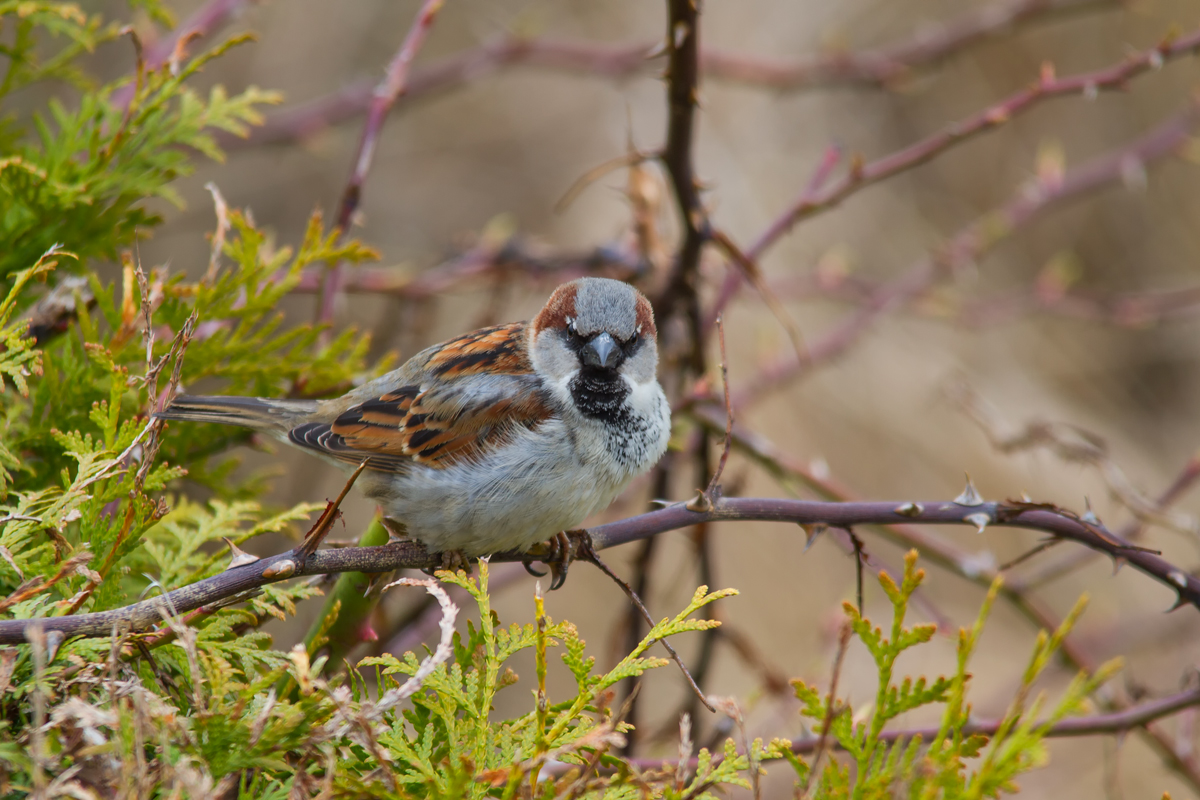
x: 1051, y: 324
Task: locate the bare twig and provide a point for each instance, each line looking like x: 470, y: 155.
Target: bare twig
x: 1046, y: 86
x: 393, y: 85
x: 754, y: 275
x: 829, y: 160
x: 882, y: 67
x: 513, y: 257
x: 705, y: 498
x: 831, y: 709
x: 976, y: 239
x: 683, y: 75
x: 320, y: 529
x: 1183, y: 482
x: 641, y: 607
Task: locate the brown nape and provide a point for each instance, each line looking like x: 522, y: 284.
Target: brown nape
x: 560, y: 306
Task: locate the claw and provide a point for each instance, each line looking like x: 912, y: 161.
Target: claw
x: 564, y: 548
x: 451, y: 561
x: 454, y: 560
x: 560, y: 575
x: 528, y: 565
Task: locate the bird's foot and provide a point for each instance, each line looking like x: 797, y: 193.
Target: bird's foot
x: 452, y: 561
x: 559, y: 552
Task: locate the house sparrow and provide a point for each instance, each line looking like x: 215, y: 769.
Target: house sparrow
x: 497, y: 439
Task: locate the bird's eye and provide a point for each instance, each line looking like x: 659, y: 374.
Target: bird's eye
x: 573, y: 334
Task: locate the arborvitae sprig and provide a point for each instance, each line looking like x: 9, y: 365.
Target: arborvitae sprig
x: 937, y: 768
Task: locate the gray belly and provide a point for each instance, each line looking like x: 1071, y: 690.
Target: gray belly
x: 522, y: 494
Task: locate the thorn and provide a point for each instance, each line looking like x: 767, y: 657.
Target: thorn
x: 662, y: 503
x: 970, y: 496
x: 1178, y: 578
x: 699, y: 504
x: 237, y: 556
x: 1025, y: 498
x: 811, y: 532
x: 910, y: 510
x: 1179, y: 603
x: 979, y: 519
x: 1118, y: 562
x: 1089, y: 516
x: 53, y: 640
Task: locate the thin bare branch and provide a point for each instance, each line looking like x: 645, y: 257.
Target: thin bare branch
x: 393, y: 85
x: 410, y: 554
x: 1047, y: 85
x: 516, y: 256
x: 882, y: 67
x: 972, y: 242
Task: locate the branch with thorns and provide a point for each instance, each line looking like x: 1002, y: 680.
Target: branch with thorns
x: 885, y: 67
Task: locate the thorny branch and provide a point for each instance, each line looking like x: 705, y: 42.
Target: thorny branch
x: 1047, y: 85
x: 413, y: 555
x: 968, y: 245
x: 393, y: 85
x: 946, y: 555
x: 884, y: 67
x: 820, y: 196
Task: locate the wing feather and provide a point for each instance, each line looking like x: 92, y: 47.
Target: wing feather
x: 479, y: 391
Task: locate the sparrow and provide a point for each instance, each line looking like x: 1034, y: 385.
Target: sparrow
x: 495, y: 440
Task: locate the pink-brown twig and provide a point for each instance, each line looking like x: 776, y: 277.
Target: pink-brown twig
x: 976, y: 239
x: 1047, y: 85
x: 210, y: 16
x: 880, y: 67
x: 393, y: 85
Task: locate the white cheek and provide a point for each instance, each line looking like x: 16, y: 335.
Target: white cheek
x: 643, y: 367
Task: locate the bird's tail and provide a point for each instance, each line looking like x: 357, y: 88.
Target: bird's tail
x: 259, y: 413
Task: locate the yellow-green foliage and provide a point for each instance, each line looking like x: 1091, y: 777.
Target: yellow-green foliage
x: 936, y: 768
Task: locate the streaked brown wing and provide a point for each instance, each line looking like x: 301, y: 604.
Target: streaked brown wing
x: 483, y: 391
x: 498, y: 350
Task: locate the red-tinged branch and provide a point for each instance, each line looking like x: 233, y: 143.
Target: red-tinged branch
x: 825, y: 196
x: 590, y: 58
x: 891, y: 64
x: 393, y: 85
x: 1046, y: 86
x: 975, y: 240
x: 412, y: 555
x: 210, y: 16
x: 486, y: 261
x: 881, y: 67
